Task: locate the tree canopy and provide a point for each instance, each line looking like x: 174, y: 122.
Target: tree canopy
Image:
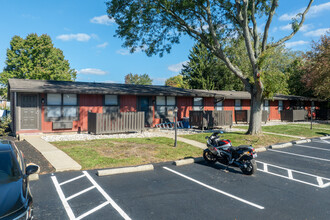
x: 142, y: 79
x: 317, y: 68
x: 155, y: 25
x: 206, y: 71
x: 35, y: 57
x: 176, y: 81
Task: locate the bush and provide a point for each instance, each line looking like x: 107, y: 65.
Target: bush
x: 5, y: 125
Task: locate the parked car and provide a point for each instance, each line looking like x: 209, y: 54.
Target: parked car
x: 15, y: 196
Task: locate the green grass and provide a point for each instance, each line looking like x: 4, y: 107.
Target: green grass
x: 240, y: 138
x: 297, y: 129
x: 106, y: 153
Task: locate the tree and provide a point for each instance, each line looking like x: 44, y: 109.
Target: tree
x: 295, y: 72
x: 317, y: 68
x: 206, y: 71
x: 35, y: 58
x: 176, y: 81
x: 143, y: 79
x: 156, y: 25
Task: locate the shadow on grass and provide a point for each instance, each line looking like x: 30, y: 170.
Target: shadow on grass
x: 219, y: 166
x: 322, y: 133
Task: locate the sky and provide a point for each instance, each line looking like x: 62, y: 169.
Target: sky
x: 82, y: 30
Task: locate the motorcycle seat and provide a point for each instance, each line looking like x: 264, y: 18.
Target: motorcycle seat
x: 241, y: 147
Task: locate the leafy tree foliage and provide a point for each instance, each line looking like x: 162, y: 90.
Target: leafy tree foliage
x: 35, y: 58
x: 176, y: 81
x: 155, y: 25
x: 206, y: 71
x: 295, y: 72
x: 317, y: 68
x: 143, y: 79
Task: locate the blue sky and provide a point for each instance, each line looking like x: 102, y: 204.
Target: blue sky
x: 81, y: 29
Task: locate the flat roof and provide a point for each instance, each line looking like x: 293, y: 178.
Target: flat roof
x: 43, y: 86
x: 50, y: 86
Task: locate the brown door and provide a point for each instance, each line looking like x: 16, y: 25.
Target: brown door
x: 29, y: 112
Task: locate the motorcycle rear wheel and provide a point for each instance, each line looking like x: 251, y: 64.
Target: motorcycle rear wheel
x: 209, y: 157
x: 251, y: 166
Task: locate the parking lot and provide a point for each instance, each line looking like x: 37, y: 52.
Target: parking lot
x: 291, y: 183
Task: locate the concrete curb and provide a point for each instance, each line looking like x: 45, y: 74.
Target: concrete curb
x: 277, y: 146
x: 261, y: 149
x: 302, y: 141
x: 325, y: 137
x: 125, y: 170
x: 188, y: 161
x: 34, y: 177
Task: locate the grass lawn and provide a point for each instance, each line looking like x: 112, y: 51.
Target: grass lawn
x: 106, y: 153
x: 297, y: 129
x: 240, y: 138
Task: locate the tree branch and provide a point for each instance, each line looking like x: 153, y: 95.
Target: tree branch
x: 255, y: 31
x: 294, y: 30
x: 269, y: 21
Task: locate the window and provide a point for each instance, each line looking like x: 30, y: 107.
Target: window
x: 266, y: 105
x: 198, y: 104
x: 165, y: 106
x: 238, y: 105
x: 61, y: 106
x: 219, y: 106
x: 111, y: 100
x: 280, y: 106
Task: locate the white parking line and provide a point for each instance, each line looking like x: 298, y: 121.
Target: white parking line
x: 320, y: 180
x: 107, y: 197
x: 214, y: 189
x: 62, y: 197
x: 307, y: 146
x: 321, y: 141
x: 299, y: 155
x: 95, y: 185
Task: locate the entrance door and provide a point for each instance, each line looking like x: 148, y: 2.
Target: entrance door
x: 29, y: 112
x: 144, y: 105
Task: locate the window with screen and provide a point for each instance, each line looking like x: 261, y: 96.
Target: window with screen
x: 280, y: 106
x: 238, y: 105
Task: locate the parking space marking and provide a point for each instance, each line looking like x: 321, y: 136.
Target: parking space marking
x: 214, y: 189
x: 306, y: 146
x: 299, y: 155
x: 320, y: 180
x: 65, y: 200
x: 62, y: 197
x: 321, y: 141
x: 107, y: 197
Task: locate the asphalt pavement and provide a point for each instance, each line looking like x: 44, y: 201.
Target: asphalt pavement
x: 291, y: 183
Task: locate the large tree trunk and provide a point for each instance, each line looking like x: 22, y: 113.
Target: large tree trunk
x: 256, y: 112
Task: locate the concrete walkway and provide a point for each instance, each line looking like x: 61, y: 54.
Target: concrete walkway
x: 285, y: 135
x: 57, y: 158
x: 188, y: 141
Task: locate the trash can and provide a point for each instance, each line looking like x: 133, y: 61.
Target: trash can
x: 185, y: 122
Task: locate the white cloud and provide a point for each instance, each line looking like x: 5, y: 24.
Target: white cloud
x: 296, y: 43
x: 177, y: 67
x: 92, y: 71
x: 104, y: 45
x: 313, y: 11
x: 317, y: 33
x: 103, y: 19
x: 78, y: 37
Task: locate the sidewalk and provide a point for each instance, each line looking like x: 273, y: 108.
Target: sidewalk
x: 58, y: 159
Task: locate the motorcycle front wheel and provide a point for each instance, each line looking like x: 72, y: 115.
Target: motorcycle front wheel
x: 209, y: 157
x: 249, y: 166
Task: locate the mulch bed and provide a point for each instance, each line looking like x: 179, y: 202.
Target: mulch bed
x: 31, y: 155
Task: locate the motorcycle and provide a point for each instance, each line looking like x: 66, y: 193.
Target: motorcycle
x: 221, y: 150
